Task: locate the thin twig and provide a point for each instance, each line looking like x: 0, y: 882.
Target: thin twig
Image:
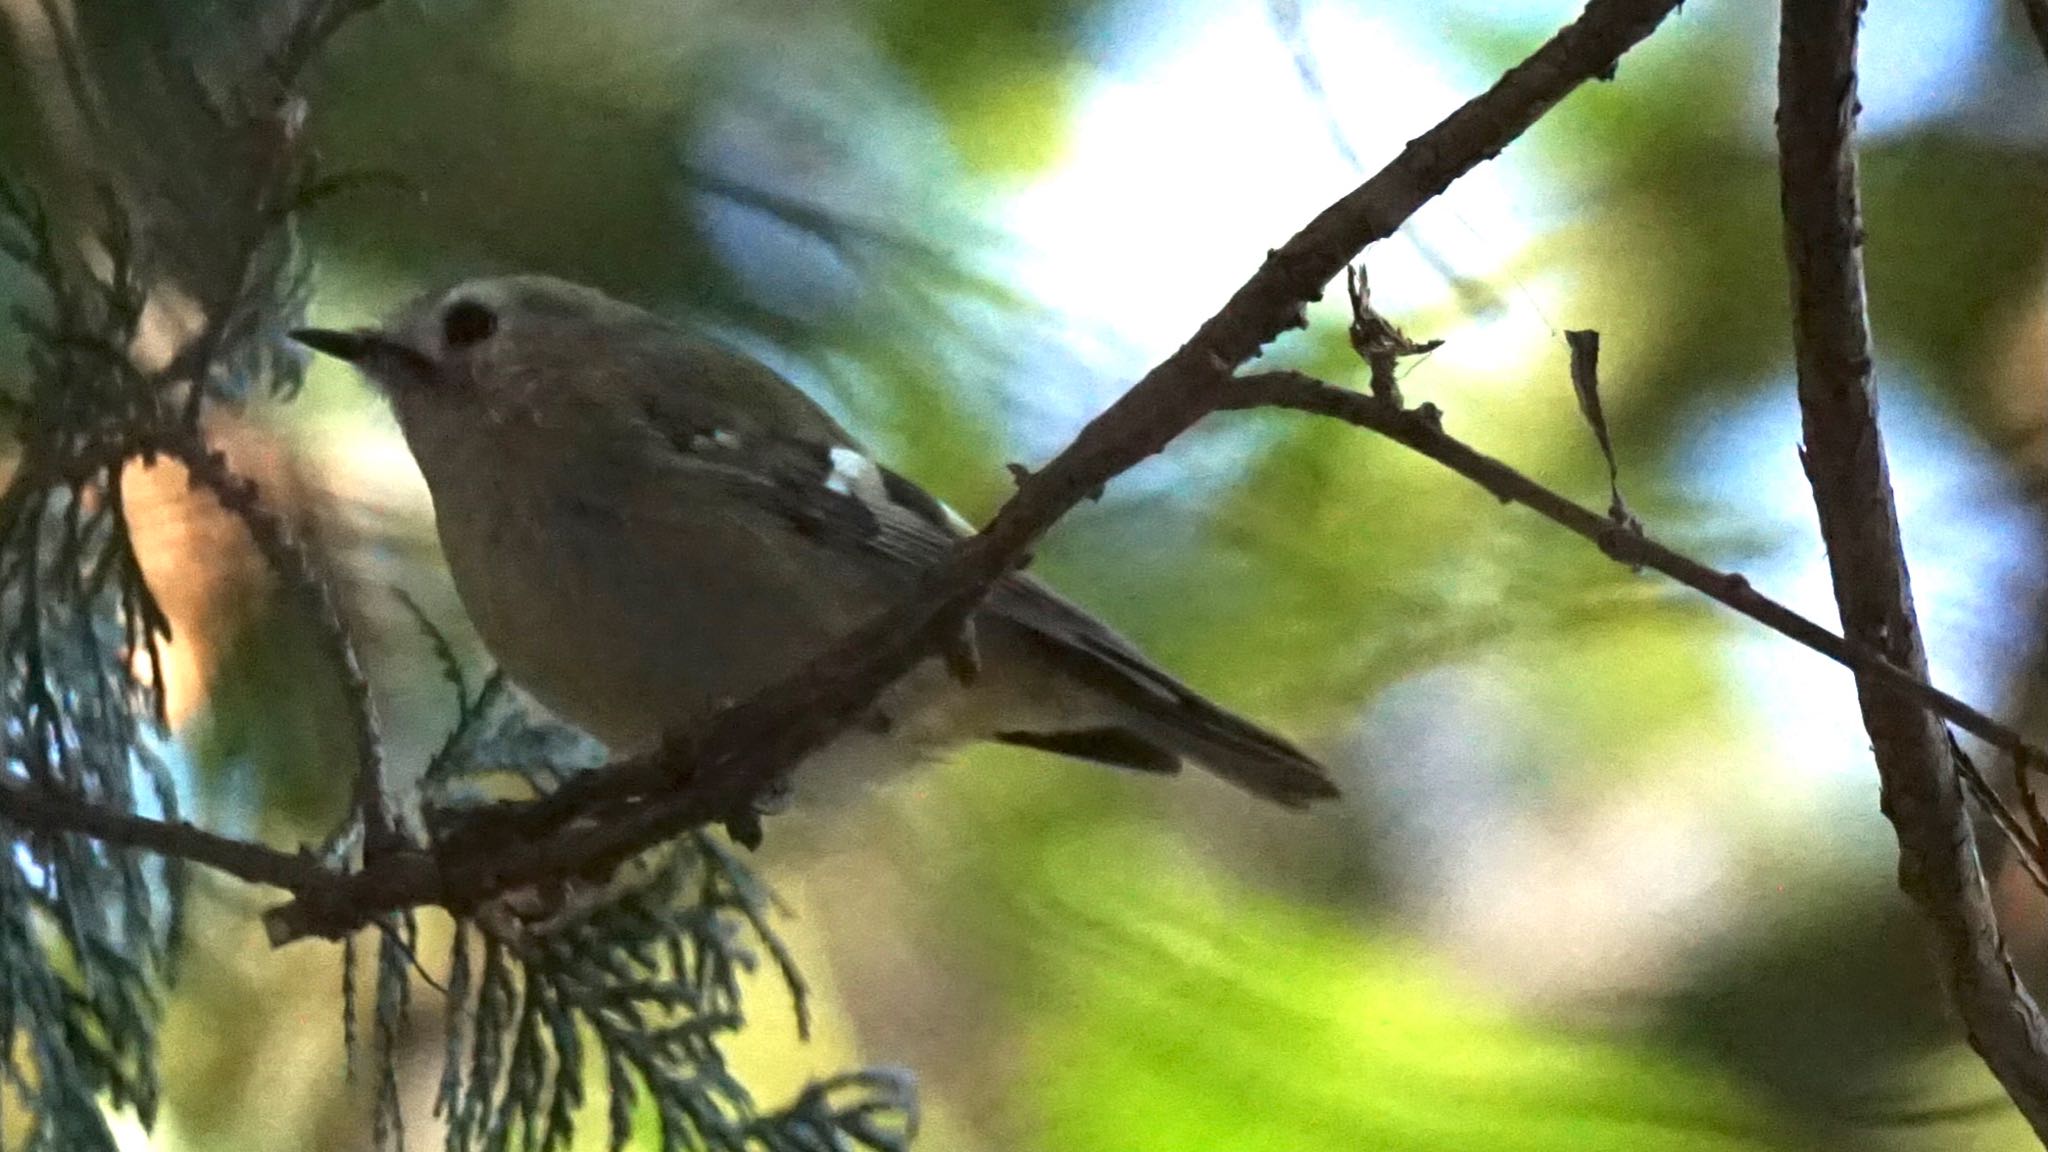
x: 2020, y: 831
x: 718, y: 770
x: 1939, y: 865
x: 293, y: 565
x: 1421, y: 429
x: 45, y: 810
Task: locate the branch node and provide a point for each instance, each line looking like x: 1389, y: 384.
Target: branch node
x: 1378, y: 341
x: 1622, y: 541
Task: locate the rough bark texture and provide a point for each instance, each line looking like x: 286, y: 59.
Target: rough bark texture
x: 1939, y: 865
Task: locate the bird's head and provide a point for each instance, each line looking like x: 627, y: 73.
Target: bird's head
x: 515, y: 349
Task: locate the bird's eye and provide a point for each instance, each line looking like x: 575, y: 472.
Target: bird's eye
x: 467, y: 322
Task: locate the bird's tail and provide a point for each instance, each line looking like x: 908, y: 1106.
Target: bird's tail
x: 1153, y: 720
x: 1230, y: 746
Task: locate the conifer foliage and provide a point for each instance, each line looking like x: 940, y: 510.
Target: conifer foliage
x: 604, y: 1002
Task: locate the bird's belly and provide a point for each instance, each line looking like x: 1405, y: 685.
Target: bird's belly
x: 630, y: 635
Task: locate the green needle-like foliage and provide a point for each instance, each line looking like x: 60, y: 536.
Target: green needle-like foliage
x: 632, y: 984
x: 87, y: 931
x: 623, y: 988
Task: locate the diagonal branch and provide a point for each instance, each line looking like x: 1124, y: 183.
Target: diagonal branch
x: 45, y: 810
x: 715, y: 772
x: 1421, y: 429
x: 1939, y: 864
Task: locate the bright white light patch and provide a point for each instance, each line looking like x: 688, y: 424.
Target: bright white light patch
x: 1966, y: 532
x: 1177, y: 183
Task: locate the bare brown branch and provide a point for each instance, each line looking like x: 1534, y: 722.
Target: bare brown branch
x: 1939, y: 865
x: 42, y: 810
x: 718, y: 771
x: 1421, y: 429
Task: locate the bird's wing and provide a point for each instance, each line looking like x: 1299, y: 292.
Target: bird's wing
x: 835, y: 494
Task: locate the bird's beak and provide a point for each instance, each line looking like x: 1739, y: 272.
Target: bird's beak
x: 366, y: 348
x: 349, y: 346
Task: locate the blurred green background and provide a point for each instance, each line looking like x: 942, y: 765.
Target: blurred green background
x: 1610, y: 872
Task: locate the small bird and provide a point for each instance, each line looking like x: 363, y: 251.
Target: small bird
x: 644, y: 525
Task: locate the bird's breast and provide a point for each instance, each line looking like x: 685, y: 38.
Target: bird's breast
x: 635, y: 606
